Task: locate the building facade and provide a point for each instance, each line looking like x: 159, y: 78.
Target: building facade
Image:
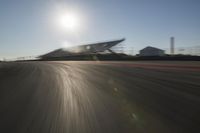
x: 152, y: 51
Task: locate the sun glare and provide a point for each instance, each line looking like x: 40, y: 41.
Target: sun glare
x: 69, y: 21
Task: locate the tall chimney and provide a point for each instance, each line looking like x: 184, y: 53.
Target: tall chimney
x: 172, y: 45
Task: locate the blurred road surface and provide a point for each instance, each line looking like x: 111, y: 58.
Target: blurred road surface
x: 99, y: 97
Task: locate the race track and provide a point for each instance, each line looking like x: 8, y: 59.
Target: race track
x: 99, y: 97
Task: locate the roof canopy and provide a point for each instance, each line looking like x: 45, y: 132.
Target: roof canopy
x: 83, y: 49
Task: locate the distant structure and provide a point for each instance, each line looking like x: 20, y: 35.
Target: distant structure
x: 95, y: 48
x: 172, y: 45
x: 152, y: 51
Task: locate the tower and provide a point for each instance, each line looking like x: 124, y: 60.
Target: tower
x: 172, y: 45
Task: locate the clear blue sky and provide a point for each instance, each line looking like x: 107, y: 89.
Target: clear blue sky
x: 27, y: 28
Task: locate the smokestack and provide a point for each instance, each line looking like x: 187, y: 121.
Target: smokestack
x: 172, y: 45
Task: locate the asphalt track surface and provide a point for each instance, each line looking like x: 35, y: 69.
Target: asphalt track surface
x: 99, y: 97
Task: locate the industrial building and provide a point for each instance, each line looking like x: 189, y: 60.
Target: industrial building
x: 152, y: 51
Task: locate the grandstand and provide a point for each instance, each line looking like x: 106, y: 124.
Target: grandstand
x: 82, y: 50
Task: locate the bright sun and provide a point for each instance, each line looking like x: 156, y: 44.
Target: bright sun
x: 69, y: 21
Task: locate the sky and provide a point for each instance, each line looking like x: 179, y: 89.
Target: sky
x: 30, y: 27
